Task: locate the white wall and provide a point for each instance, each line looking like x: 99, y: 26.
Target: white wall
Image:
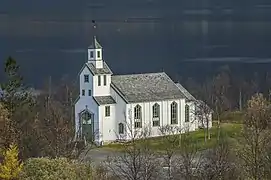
x: 120, y: 114
x: 165, y: 117
x: 102, y: 90
x: 83, y: 85
x: 108, y: 124
x: 192, y: 125
x: 93, y: 108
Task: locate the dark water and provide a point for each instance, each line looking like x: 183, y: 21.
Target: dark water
x: 183, y: 38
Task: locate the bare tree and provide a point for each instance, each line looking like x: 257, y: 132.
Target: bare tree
x: 137, y: 161
x: 171, y: 137
x: 219, y: 162
x: 256, y: 138
x: 188, y: 161
x: 203, y: 114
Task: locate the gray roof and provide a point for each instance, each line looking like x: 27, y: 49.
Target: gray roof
x: 187, y: 95
x: 146, y: 87
x: 95, y: 44
x: 104, y: 70
x: 102, y: 100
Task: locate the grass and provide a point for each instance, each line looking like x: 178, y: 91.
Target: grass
x: 231, y: 131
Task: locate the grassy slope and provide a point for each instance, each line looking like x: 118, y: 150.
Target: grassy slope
x: 232, y: 132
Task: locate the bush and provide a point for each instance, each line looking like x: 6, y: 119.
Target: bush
x: 11, y: 165
x: 233, y: 117
x: 52, y: 169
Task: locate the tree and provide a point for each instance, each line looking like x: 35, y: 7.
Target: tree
x: 188, y: 161
x: 54, y: 130
x: 137, y: 161
x: 11, y: 166
x: 171, y: 139
x: 221, y: 84
x: 19, y: 103
x: 15, y: 94
x: 203, y: 114
x: 256, y: 138
x: 219, y: 162
x: 7, y: 129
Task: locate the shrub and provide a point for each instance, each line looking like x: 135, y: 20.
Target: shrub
x: 11, y: 166
x: 233, y: 117
x: 52, y: 169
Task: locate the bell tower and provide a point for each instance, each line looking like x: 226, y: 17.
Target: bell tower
x: 95, y: 54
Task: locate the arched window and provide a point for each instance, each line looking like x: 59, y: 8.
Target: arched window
x: 156, y: 115
x: 187, y: 113
x: 173, y: 113
x: 121, y: 128
x: 85, y: 117
x: 138, y: 116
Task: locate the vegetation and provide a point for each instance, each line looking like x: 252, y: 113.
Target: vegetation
x: 232, y: 132
x: 51, y: 169
x: 40, y: 129
x: 11, y: 165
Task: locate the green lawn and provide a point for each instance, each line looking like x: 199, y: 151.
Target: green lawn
x: 231, y: 131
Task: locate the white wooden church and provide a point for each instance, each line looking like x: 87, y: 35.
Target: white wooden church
x: 115, y: 107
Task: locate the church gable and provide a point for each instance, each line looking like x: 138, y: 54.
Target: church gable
x: 95, y: 71
x: 146, y: 87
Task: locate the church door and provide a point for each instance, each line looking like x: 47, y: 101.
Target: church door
x: 87, y: 126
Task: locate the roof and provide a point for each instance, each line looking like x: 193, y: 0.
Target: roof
x: 95, y: 71
x: 187, y: 95
x: 146, y: 87
x: 102, y: 100
x: 95, y: 44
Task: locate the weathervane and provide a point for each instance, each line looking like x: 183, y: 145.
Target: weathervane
x: 94, y: 25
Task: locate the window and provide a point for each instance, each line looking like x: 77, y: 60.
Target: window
x: 86, y: 78
x: 156, y: 115
x: 85, y: 116
x: 83, y: 92
x: 89, y: 92
x: 98, y: 54
x: 105, y: 80
x: 121, y: 128
x: 138, y: 116
x: 173, y: 113
x: 186, y: 113
x: 91, y: 54
x: 99, y: 80
x: 107, y: 111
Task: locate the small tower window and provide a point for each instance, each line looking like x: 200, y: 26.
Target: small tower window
x: 99, y: 80
x: 105, y: 80
x: 98, y: 54
x: 83, y: 92
x: 89, y: 92
x: 107, y: 111
x: 91, y: 54
x: 86, y: 78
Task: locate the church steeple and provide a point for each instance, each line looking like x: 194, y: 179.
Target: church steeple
x: 95, y: 55
x: 95, y: 44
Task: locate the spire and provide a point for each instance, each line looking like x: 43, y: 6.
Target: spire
x: 95, y: 55
x: 95, y: 44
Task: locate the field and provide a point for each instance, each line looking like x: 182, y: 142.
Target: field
x: 231, y: 131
